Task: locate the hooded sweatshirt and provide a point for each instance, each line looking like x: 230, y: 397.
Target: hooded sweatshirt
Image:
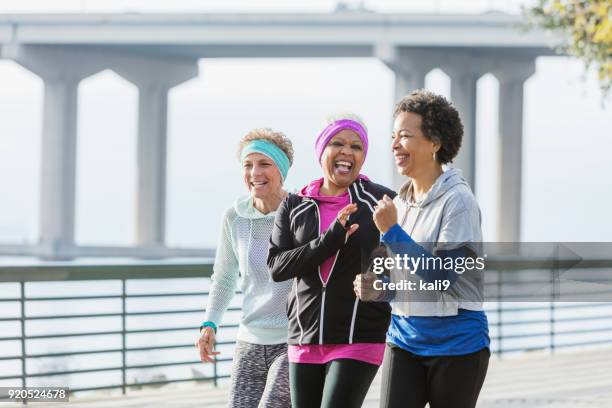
x: 446, y: 221
x: 241, y: 263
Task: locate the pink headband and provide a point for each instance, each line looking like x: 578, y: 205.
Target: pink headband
x: 334, y: 128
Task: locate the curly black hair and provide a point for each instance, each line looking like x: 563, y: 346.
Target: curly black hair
x: 440, y: 121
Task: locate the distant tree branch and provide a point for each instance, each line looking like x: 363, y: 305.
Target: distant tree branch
x: 587, y: 27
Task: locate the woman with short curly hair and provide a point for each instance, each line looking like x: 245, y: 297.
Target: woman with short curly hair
x: 437, y: 344
x: 260, y: 376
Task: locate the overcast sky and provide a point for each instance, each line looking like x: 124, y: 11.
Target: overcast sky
x: 567, y: 192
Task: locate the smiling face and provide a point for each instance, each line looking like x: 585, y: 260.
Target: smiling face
x: 413, y: 152
x: 261, y: 176
x: 342, y: 159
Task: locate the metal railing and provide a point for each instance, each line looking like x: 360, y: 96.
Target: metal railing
x: 127, y: 272
x: 123, y: 272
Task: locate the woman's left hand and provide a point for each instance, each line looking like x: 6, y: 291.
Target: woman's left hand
x: 385, y: 214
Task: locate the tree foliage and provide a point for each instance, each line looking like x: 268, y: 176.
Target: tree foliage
x: 587, y: 28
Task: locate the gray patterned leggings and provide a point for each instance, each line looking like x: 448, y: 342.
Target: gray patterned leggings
x: 260, y: 376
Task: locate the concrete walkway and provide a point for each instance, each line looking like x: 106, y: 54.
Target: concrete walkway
x: 568, y: 380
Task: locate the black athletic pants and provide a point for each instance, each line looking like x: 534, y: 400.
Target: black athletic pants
x: 411, y: 381
x: 339, y: 383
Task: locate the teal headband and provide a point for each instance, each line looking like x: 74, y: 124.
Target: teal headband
x: 270, y: 150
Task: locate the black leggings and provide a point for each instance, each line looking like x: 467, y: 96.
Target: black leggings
x: 411, y: 381
x: 339, y: 383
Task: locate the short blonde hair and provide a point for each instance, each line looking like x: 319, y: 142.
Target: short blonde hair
x: 278, y: 138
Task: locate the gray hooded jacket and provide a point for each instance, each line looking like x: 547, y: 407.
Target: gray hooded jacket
x: 448, y: 217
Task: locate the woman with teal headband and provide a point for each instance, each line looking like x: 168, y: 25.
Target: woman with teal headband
x: 260, y: 376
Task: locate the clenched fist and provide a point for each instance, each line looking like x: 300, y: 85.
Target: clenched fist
x: 385, y: 214
x: 363, y: 285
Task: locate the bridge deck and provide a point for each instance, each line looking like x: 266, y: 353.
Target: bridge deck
x: 576, y: 379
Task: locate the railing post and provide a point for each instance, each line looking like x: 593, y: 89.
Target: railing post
x: 500, y: 336
x: 22, y: 316
x: 123, y: 336
x: 555, y: 293
x: 552, y: 326
x: 215, y: 373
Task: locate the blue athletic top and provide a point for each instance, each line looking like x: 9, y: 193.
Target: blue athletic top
x: 465, y: 333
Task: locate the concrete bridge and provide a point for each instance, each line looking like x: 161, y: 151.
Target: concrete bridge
x: 156, y: 52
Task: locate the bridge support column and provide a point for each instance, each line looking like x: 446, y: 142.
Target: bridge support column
x: 464, y: 78
x: 512, y: 76
x: 154, y: 78
x: 58, y: 175
x: 61, y: 75
x: 410, y: 71
x: 62, y: 70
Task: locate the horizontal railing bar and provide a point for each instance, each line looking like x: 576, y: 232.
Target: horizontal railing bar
x: 74, y: 353
x: 83, y: 371
x: 81, y: 297
x: 78, y: 271
x: 516, y: 349
x: 118, y: 296
x: 162, y: 312
x: 588, y: 343
x: 218, y: 343
x: 559, y: 305
x: 14, y: 357
x: 557, y: 320
x: 531, y: 282
x: 138, y: 367
x: 557, y: 346
x: 10, y: 377
x: 199, y: 268
x: 60, y: 335
x: 156, y: 312
x: 176, y: 363
x: 547, y: 333
x: 539, y: 298
x: 133, y: 367
x: 51, y: 317
x: 134, y: 385
x: 107, y: 333
x: 103, y: 351
x: 148, y: 295
x: 591, y: 330
x: 118, y: 314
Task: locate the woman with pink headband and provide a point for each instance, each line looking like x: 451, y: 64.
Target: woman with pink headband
x: 322, y: 238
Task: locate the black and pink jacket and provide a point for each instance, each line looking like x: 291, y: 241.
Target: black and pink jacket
x: 328, y: 313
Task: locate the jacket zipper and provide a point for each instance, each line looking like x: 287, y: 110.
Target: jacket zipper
x: 324, y: 283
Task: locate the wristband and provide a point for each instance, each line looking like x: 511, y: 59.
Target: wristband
x: 209, y: 324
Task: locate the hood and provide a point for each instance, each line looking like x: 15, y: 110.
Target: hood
x: 445, y: 182
x: 244, y: 208
x: 311, y: 190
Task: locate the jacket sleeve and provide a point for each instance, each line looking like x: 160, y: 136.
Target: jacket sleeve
x: 225, y: 274
x: 286, y: 261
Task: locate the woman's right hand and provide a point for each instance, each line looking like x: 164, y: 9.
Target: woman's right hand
x: 206, y: 344
x: 343, y: 216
